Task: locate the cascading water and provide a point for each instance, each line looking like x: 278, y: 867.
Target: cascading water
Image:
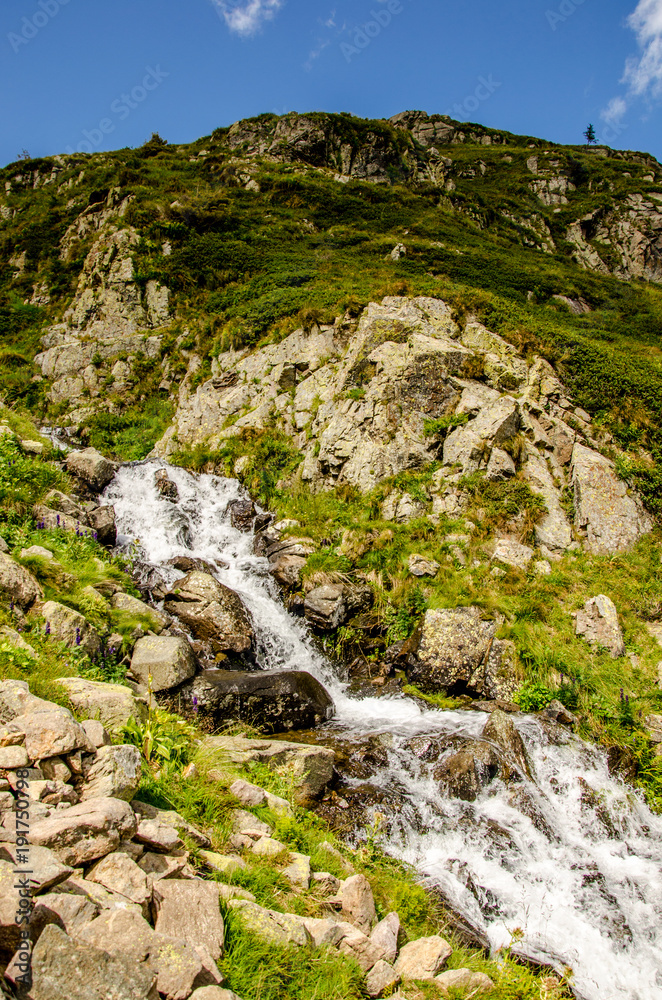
x: 579, y: 871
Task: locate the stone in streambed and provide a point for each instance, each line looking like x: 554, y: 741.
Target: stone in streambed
x: 91, y: 467
x: 213, y: 613
x: 163, y: 661
x: 273, y: 701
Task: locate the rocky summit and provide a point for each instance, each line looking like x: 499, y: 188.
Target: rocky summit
x: 330, y: 566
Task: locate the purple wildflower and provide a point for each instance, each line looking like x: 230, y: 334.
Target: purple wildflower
x: 195, y: 703
x: 47, y: 630
x: 78, y: 637
x: 58, y: 520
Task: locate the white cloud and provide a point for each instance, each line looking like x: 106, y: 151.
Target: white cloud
x: 644, y: 73
x: 245, y: 17
x: 614, y: 110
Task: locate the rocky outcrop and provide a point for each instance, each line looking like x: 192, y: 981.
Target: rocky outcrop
x: 275, y: 702
x: 458, y: 652
x: 598, y: 623
x: 328, y: 607
x: 310, y: 766
x: 162, y: 662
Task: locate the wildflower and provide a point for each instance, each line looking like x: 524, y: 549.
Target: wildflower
x: 58, y: 520
x: 47, y: 630
x: 195, y: 703
x: 78, y: 637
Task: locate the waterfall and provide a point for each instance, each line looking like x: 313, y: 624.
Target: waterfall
x: 573, y: 865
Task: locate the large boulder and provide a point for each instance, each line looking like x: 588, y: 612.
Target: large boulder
x: 213, y: 613
x: 91, y: 467
x: 17, y: 585
x: 132, y: 606
x: 51, y: 733
x: 62, y: 967
x: 163, y: 662
x: 607, y: 515
x: 283, y: 929
x: 102, y: 522
x: 310, y: 767
x: 111, y: 704
x: 70, y: 627
x: 328, y: 607
x: 424, y: 958
x: 457, y: 651
x: 242, y: 515
x: 85, y: 832
x: 598, y: 623
x: 16, y: 699
x: 274, y: 701
x: 465, y: 773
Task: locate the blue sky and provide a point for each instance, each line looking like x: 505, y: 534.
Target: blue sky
x: 76, y: 72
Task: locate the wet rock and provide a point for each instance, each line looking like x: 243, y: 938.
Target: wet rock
x: 115, y: 773
x: 242, y: 515
x: 557, y: 712
x: 62, y: 967
x: 162, y: 661
x: 424, y: 958
x: 274, y: 701
x: 310, y: 766
x: 71, y: 628
x: 465, y: 981
x: 85, y: 832
x: 190, y: 910
x: 326, y: 608
x: 17, y: 584
x: 598, y: 623
x: 165, y: 486
x: 466, y: 773
x: 502, y: 732
x: 102, y: 522
x: 358, y: 904
x: 111, y: 704
x: 213, y: 613
x: 91, y: 467
x: 457, y: 651
x: 513, y: 554
x: 610, y: 519
x: 420, y: 567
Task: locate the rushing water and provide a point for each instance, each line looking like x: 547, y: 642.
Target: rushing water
x: 581, y: 878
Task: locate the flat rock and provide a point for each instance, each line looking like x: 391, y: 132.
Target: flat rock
x: 190, y: 910
x: 118, y: 873
x: 513, y: 554
x: 598, y: 623
x: 465, y: 981
x: 47, y: 869
x: 113, y: 705
x: 16, y: 699
x: 424, y: 958
x: 271, y: 926
x: 62, y: 967
x: 167, y: 660
x: 610, y: 518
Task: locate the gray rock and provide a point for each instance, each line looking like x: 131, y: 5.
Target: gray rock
x: 110, y: 704
x: 253, y: 797
x: 274, y: 701
x: 132, y: 606
x: 420, y: 567
x: 553, y: 531
x: 213, y: 993
x: 310, y: 767
x: 328, y: 607
x: 17, y: 584
x: 242, y: 514
x: 115, y: 773
x: 385, y: 936
x: 71, y: 628
x: 213, y: 613
x: 465, y: 773
x: 96, y: 734
x: 165, y: 486
x: 15, y: 700
x: 118, y: 873
x: 298, y: 871
x: 598, y: 623
x: 513, y: 554
x: 500, y: 466
x: 355, y: 944
x: 169, y: 817
x: 50, y: 733
x: 16, y: 640
x: 424, y: 958
x: 37, y: 551
x: 158, y: 836
x: 606, y: 514
x: 456, y: 650
x: 3, y: 545
x: 62, y: 967
x: 13, y: 757
x: 47, y: 869
x: 88, y: 465
x: 162, y: 661
x: 274, y: 928
x: 85, y: 832
x: 190, y: 910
